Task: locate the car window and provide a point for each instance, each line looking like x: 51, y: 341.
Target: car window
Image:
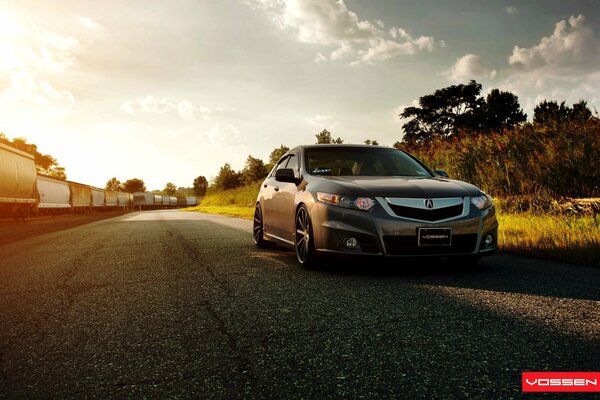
x: 292, y: 162
x: 347, y: 161
x: 280, y: 164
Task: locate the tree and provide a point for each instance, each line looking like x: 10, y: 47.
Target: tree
x: 502, y: 111
x: 134, y: 185
x: 227, y: 178
x: 170, y: 189
x: 254, y: 170
x: 45, y: 163
x: 277, y: 153
x: 200, y: 186
x: 551, y: 113
x: 324, y: 137
x: 444, y: 113
x: 114, y: 185
x: 372, y: 142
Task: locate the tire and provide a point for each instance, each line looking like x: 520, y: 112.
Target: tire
x: 257, y: 229
x: 303, y: 239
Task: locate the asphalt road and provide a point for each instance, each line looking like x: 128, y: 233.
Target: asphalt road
x: 169, y: 304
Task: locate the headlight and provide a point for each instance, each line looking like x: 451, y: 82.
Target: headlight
x: 354, y: 202
x: 483, y: 201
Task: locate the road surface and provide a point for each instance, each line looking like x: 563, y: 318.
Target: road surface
x: 172, y: 304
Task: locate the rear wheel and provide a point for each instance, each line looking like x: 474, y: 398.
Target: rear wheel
x: 303, y: 239
x: 259, y: 239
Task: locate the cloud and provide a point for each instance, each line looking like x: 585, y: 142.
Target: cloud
x: 88, y: 23
x: 511, y: 10
x: 322, y: 121
x: 32, y: 62
x: 469, y: 66
x: 329, y: 24
x: 562, y: 66
x: 571, y: 42
x: 150, y: 104
x: 220, y: 136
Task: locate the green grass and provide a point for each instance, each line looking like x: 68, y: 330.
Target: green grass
x: 571, y: 239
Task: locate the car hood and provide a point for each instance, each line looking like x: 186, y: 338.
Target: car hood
x: 379, y: 186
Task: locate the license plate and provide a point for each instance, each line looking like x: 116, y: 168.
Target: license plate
x: 435, y: 236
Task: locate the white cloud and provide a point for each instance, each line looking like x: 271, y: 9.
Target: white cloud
x: 511, y: 10
x: 562, y: 66
x: 32, y: 61
x: 220, y: 136
x: 88, y: 23
x: 330, y: 24
x: 150, y: 104
x: 470, y: 66
x: 322, y: 121
x: 571, y: 42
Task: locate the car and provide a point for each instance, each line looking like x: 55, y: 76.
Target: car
x: 371, y: 201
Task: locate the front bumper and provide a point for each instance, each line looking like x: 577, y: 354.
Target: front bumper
x: 379, y: 233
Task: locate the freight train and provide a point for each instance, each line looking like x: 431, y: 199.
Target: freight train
x: 25, y: 193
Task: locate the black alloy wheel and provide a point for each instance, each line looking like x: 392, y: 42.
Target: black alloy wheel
x: 303, y: 240
x: 259, y: 239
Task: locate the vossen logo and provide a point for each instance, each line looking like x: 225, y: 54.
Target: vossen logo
x: 560, y: 382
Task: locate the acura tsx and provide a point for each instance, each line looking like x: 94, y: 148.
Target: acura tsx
x: 371, y: 201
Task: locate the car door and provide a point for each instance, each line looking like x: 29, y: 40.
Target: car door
x: 284, y: 201
x: 268, y: 197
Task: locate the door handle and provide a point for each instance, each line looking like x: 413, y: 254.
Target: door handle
x: 276, y: 188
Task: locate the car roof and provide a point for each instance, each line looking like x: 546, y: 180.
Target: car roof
x: 340, y: 146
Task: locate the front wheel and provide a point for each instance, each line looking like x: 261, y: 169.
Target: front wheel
x: 259, y: 238
x: 303, y: 239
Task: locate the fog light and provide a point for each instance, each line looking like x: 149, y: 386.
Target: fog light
x: 489, y: 239
x: 351, y: 243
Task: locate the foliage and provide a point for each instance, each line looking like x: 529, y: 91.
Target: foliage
x: 243, y: 196
x: 114, y: 185
x: 227, y: 178
x: 460, y: 108
x: 552, y: 114
x: 255, y: 170
x: 502, y: 111
x: 134, y: 185
x: 532, y: 160
x: 45, y: 163
x: 185, y: 191
x: 324, y: 137
x: 371, y: 142
x: 275, y: 155
x: 200, y: 186
x: 170, y: 189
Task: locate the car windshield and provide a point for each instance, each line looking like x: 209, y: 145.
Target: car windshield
x: 363, y: 162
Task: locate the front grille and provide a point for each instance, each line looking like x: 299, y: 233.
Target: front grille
x: 436, y: 214
x: 408, y: 246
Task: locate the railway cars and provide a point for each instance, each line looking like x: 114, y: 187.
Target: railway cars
x: 18, y: 196
x: 54, y: 195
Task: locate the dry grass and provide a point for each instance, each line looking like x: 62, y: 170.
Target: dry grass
x: 232, y: 211
x: 572, y: 239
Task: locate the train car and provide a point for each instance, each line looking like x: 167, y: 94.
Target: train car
x: 191, y: 201
x: 130, y: 198
x: 173, y: 201
x: 158, y: 200
x: 181, y: 201
x: 143, y: 200
x: 54, y: 195
x: 81, y: 197
x: 18, y: 196
x: 165, y: 201
x: 123, y: 200
x: 98, y: 199
x: 111, y: 199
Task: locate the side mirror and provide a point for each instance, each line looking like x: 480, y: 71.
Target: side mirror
x: 442, y: 173
x: 286, y: 175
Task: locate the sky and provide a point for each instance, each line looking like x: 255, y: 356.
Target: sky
x: 167, y: 91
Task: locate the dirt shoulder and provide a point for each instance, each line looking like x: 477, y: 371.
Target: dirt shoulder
x: 12, y: 231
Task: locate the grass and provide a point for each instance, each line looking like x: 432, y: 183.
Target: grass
x: 571, y: 239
